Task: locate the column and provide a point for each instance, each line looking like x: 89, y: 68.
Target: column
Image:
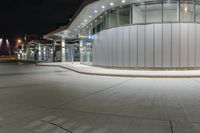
x: 63, y: 49
x: 45, y: 53
x: 39, y: 52
x: 53, y: 52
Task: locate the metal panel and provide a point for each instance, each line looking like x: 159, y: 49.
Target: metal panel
x: 109, y: 46
x: 133, y: 46
x: 184, y: 45
x: 120, y: 46
x: 175, y: 45
x: 197, y: 45
x: 150, y: 45
x: 158, y: 45
x: 106, y: 48
x: 102, y: 49
x: 126, y: 46
x: 141, y: 46
x: 94, y: 52
x: 114, y: 46
x: 167, y: 45
x: 192, y: 45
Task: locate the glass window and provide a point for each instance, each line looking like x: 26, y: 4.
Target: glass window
x: 197, y: 12
x: 170, y: 11
x: 186, y: 11
x: 153, y: 12
x: 113, y: 18
x: 124, y: 15
x: 138, y: 13
x: 106, y: 20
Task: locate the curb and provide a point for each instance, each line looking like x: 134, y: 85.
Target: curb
x: 120, y: 75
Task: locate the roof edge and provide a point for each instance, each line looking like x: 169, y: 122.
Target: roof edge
x: 81, y: 7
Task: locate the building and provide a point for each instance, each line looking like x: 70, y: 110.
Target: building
x: 35, y: 50
x: 133, y: 33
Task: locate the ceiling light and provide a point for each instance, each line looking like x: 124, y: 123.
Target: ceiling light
x: 102, y: 7
x: 123, y: 1
x: 111, y: 4
x: 90, y: 16
x: 186, y: 9
x: 95, y: 11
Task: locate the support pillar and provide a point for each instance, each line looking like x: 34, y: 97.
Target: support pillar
x: 63, y: 49
x: 39, y: 52
x: 54, y: 51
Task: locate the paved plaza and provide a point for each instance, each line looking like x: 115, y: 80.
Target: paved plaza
x: 39, y: 99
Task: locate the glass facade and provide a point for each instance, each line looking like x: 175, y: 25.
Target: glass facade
x: 171, y: 11
x: 124, y: 15
x: 153, y: 12
x: 186, y: 11
x: 138, y: 13
x: 147, y: 12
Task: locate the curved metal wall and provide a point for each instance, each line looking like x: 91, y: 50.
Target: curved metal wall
x: 153, y: 45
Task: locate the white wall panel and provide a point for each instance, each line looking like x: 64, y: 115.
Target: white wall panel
x: 146, y: 46
x: 184, y: 45
x: 158, y: 45
x: 192, y: 47
x: 197, y: 45
x: 167, y: 45
x: 133, y: 45
x: 115, y: 52
x: 103, y: 51
x: 110, y: 47
x: 141, y: 46
x: 126, y: 46
x: 120, y: 46
x: 94, y: 51
x: 150, y: 45
x: 175, y: 45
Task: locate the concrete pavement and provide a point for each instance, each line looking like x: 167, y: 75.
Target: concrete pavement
x: 92, y: 70
x: 37, y: 99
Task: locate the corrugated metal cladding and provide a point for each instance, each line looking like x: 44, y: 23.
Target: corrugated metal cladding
x: 151, y: 45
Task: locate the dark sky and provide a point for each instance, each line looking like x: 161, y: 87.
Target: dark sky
x: 18, y: 17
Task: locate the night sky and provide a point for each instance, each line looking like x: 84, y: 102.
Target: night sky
x: 19, y: 17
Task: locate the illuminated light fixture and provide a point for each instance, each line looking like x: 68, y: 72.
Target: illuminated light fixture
x: 81, y: 23
x: 86, y: 20
x: 90, y: 16
x: 75, y: 29
x: 1, y: 40
x: 111, y: 4
x: 19, y: 41
x: 78, y: 26
x: 123, y: 1
x: 103, y: 7
x: 95, y: 11
x: 186, y: 9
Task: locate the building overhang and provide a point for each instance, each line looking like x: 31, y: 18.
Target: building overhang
x: 88, y: 11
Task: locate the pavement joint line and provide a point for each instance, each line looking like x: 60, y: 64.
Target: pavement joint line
x: 127, y: 116
x: 171, y: 127
x: 91, y: 94
x: 67, y: 130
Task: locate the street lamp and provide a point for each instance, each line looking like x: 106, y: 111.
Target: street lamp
x: 1, y: 41
x: 19, y: 41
